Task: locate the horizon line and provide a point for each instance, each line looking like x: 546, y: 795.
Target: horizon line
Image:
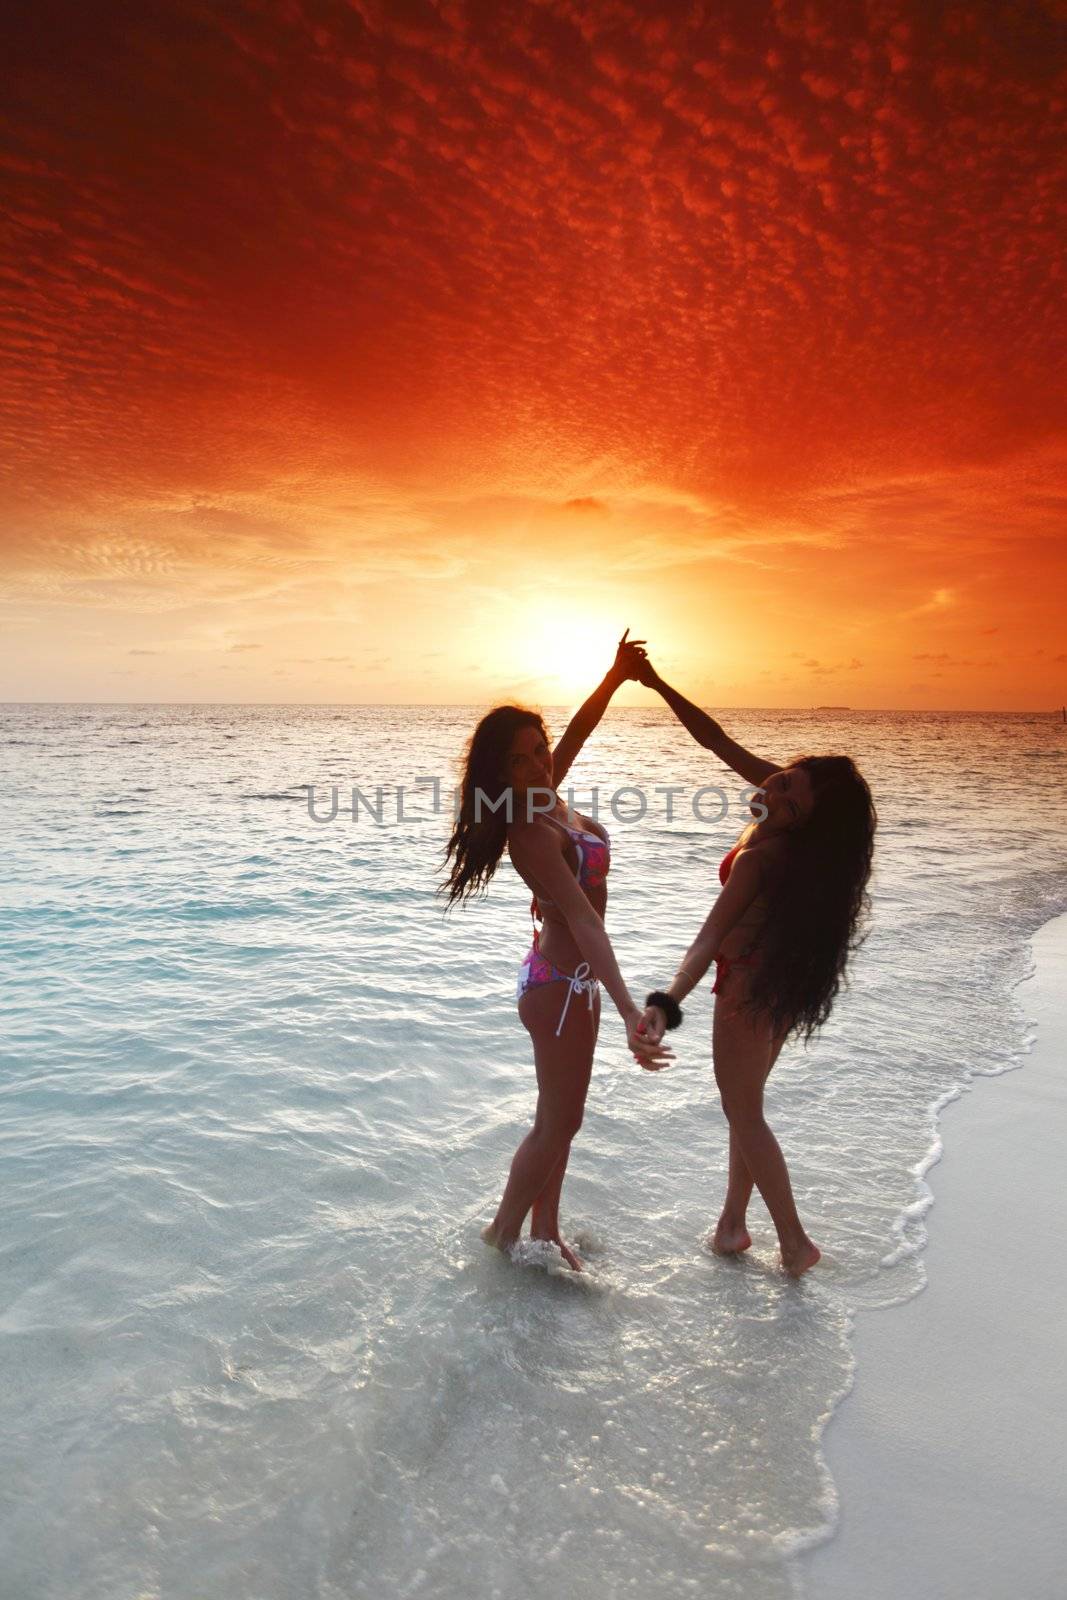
x: 453, y: 705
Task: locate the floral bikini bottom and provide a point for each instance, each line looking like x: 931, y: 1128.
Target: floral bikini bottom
x: 535, y: 970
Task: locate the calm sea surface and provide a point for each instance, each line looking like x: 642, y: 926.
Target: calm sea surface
x: 259, y: 1095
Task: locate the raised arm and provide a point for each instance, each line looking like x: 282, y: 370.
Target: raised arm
x: 707, y: 731
x: 628, y: 659
x: 536, y: 855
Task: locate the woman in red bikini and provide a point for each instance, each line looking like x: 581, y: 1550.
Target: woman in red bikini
x: 563, y: 858
x: 780, y: 933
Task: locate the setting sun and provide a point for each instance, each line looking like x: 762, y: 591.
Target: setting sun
x: 565, y: 652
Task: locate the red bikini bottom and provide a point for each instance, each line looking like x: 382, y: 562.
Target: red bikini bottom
x: 724, y: 963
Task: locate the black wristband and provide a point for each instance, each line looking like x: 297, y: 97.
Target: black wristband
x: 668, y: 1005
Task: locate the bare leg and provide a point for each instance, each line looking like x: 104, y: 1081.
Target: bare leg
x: 564, y: 1067
x: 544, y: 1216
x: 731, y: 1235
x: 743, y: 1060
x: 531, y: 1166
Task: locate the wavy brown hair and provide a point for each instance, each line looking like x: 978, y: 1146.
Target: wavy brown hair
x: 477, y: 842
x: 817, y: 901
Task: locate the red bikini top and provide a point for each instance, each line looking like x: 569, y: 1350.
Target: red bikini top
x: 725, y: 863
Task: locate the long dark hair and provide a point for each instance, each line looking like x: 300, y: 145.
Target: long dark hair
x: 478, y: 837
x: 817, y: 901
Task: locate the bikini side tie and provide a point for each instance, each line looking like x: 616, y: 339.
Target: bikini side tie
x: 575, y: 985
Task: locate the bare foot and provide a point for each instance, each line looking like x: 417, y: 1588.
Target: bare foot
x: 729, y: 1240
x: 564, y: 1249
x: 798, y: 1258
x: 489, y: 1234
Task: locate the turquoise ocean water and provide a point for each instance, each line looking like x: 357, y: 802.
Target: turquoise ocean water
x: 259, y: 1095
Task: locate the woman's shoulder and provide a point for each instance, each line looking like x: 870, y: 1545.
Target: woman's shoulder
x: 530, y: 830
x: 769, y: 854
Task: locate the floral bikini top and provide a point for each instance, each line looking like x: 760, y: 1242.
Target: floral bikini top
x: 594, y: 859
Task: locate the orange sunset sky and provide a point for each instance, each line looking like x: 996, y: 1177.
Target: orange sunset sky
x: 362, y: 351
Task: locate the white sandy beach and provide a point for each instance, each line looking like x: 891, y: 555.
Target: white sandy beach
x: 949, y: 1454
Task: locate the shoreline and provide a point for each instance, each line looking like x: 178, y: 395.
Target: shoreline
x: 947, y: 1451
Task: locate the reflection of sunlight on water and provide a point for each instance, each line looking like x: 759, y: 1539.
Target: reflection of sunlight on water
x: 259, y: 1343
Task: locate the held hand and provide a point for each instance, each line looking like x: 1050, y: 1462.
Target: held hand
x: 647, y: 673
x: 629, y: 658
x: 649, y: 1052
x: 653, y: 1024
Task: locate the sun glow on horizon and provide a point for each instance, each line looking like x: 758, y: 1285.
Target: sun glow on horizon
x: 564, y: 651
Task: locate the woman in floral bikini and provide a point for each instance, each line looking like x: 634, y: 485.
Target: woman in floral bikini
x: 563, y: 858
